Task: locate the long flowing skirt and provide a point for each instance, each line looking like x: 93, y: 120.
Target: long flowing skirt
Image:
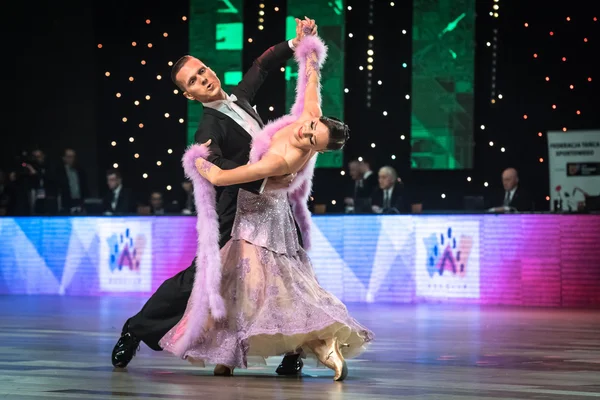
x: 274, y: 306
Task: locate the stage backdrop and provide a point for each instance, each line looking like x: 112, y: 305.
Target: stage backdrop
x: 532, y: 260
x: 574, y: 163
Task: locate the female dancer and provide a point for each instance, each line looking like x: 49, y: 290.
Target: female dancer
x: 259, y: 296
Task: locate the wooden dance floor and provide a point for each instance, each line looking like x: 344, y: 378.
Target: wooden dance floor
x: 59, y: 347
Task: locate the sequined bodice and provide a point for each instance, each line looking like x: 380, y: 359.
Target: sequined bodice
x: 266, y: 220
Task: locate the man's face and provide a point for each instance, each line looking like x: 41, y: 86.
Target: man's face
x: 364, y: 167
x: 354, y: 168
x: 187, y: 186
x: 509, y: 180
x: 386, y: 180
x: 156, y: 201
x: 69, y: 157
x: 113, y: 181
x: 200, y: 82
x: 39, y: 156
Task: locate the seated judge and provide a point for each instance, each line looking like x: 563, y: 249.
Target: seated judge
x: 387, y: 199
x: 514, y: 198
x: 119, y: 199
x: 364, y: 182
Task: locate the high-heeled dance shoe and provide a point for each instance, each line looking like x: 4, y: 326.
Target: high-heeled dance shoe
x: 329, y: 354
x: 223, y: 370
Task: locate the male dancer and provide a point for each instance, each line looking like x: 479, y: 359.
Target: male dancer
x: 231, y: 122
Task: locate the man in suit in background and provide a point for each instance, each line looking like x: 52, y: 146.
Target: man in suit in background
x: 364, y: 183
x: 387, y: 199
x: 230, y: 123
x: 515, y: 198
x: 72, y: 183
x: 119, y: 199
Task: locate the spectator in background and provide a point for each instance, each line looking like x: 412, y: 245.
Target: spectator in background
x: 157, y: 203
x: 388, y: 199
x: 188, y: 206
x: 514, y: 197
x: 72, y: 183
x: 119, y: 199
x: 6, y: 195
x: 365, y: 182
x: 43, y: 184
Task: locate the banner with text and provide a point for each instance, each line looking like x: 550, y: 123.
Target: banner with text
x: 574, y: 163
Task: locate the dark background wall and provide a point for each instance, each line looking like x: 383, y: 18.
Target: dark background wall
x: 57, y: 96
x: 51, y: 79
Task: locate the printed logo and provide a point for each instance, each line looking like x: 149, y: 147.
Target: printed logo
x: 125, y: 255
x: 123, y: 251
x: 447, y: 258
x: 447, y: 253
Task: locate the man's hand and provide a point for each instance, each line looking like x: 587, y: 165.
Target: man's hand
x: 279, y: 182
x: 305, y: 27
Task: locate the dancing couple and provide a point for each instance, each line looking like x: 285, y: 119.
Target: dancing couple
x: 254, y: 291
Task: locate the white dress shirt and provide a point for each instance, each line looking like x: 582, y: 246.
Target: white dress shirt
x: 508, y: 196
x: 387, y: 197
x: 73, y: 180
x: 236, y: 113
x: 115, y: 199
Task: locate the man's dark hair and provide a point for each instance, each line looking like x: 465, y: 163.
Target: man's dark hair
x: 176, y: 68
x: 338, y: 132
x: 113, y: 171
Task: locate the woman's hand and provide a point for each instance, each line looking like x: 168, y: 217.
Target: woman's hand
x: 207, y: 169
x: 305, y: 27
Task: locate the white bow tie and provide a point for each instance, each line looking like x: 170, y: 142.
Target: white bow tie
x: 231, y: 98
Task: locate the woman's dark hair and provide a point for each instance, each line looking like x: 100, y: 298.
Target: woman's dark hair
x: 338, y: 132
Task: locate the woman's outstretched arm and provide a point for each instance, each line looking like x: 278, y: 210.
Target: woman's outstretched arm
x: 312, y: 95
x: 270, y: 165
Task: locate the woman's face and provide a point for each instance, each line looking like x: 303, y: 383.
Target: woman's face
x: 312, y: 134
